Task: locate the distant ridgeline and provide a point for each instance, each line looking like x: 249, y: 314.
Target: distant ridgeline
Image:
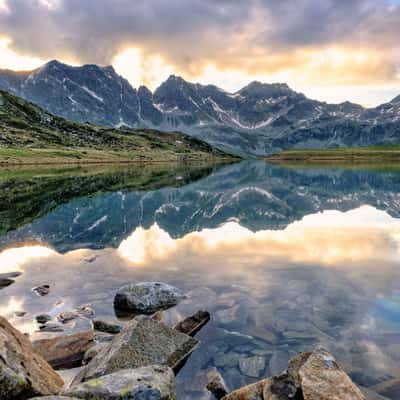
x: 259, y: 119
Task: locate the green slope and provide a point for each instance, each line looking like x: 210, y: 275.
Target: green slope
x: 29, y: 134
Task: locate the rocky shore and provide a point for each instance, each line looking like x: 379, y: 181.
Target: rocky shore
x: 140, y: 359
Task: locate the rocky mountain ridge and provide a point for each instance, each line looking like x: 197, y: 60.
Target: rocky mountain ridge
x: 259, y: 119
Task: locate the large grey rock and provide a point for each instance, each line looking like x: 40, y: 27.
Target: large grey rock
x: 155, y: 382
x: 23, y: 373
x: 147, y: 297
x: 142, y: 342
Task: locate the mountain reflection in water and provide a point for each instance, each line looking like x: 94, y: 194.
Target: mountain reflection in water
x: 283, y: 259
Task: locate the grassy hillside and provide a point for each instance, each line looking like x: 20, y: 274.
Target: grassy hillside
x: 390, y: 153
x: 29, y: 134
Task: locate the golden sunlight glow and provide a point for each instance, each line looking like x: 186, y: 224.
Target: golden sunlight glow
x: 359, y: 235
x: 9, y: 59
x: 15, y: 258
x: 141, y: 69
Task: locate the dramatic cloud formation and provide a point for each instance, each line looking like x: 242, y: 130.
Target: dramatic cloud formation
x: 321, y: 46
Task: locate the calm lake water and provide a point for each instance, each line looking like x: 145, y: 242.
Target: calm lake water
x: 283, y: 258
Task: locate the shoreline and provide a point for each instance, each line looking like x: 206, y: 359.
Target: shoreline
x: 116, y: 162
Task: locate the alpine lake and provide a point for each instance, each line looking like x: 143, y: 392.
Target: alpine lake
x: 285, y: 258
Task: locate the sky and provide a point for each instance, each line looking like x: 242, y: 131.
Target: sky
x: 331, y: 50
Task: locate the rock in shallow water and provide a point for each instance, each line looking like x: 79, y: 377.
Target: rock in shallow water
x: 216, y: 384
x: 23, y: 373
x: 142, y: 342
x: 147, y: 297
x: 107, y: 326
x: 193, y: 324
x: 153, y: 382
x: 252, y: 366
x: 42, y: 290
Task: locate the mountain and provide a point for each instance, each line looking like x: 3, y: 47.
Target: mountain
x: 29, y: 133
x: 259, y: 119
x: 255, y: 194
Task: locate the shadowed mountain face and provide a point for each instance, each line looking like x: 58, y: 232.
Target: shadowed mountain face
x: 257, y: 195
x: 257, y: 120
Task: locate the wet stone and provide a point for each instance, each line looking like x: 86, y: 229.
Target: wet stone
x: 43, y: 318
x: 42, y: 290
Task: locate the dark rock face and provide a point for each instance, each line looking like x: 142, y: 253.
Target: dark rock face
x: 258, y: 119
x: 23, y: 373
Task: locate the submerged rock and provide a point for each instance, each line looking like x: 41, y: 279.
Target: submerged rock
x: 23, y: 373
x: 155, y: 382
x: 107, y: 327
x: 4, y: 282
x: 142, y: 342
x: 193, y: 324
x: 43, y: 318
x: 147, y: 297
x: 51, y: 327
x: 252, y: 366
x: 63, y: 352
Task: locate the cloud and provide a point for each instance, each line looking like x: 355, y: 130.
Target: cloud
x: 310, y: 41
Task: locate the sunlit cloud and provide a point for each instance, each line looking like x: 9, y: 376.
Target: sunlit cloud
x: 335, y: 51
x: 140, y: 69
x: 9, y: 59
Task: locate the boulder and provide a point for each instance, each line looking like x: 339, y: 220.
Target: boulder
x: 250, y: 392
x: 142, y: 342
x: 154, y: 382
x: 147, y: 297
x: 193, y: 324
x: 23, y: 373
x: 321, y: 378
x: 216, y: 384
x: 63, y: 352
